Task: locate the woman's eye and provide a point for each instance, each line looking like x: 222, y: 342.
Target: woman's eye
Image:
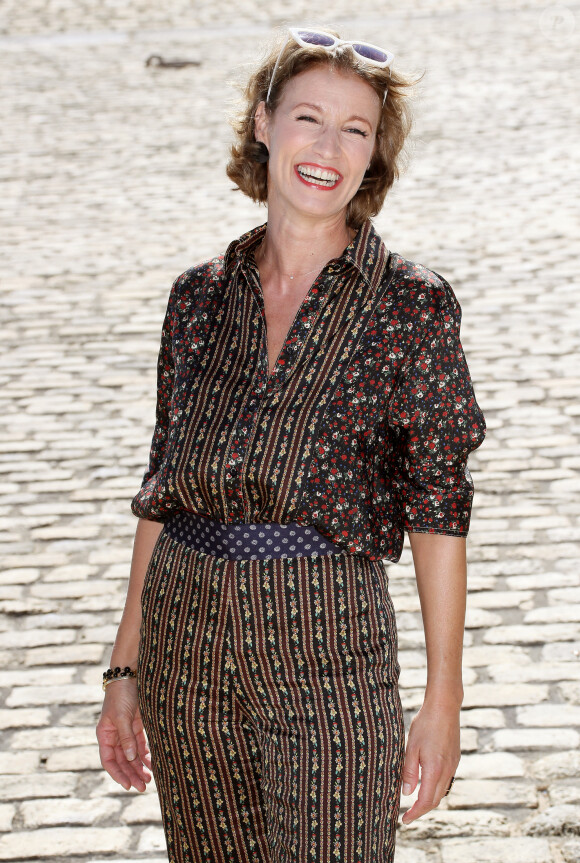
x: 358, y: 132
x: 307, y: 117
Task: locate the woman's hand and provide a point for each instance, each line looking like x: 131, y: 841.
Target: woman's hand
x: 122, y: 744
x: 433, y: 748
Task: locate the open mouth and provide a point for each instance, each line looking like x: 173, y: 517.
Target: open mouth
x: 323, y: 178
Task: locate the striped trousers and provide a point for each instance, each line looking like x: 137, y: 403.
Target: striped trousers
x: 268, y: 691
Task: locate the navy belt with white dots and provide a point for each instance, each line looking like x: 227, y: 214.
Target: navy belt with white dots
x: 255, y: 541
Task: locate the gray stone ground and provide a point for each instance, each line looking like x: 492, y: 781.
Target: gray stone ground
x: 112, y: 184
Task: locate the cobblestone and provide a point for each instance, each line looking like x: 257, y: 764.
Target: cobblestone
x: 443, y: 822
x: 75, y: 654
x: 538, y: 634
x: 483, y: 717
x: 557, y: 766
x: 63, y: 841
x: 570, y: 692
x: 468, y: 739
x: 540, y: 671
x: 50, y: 812
x: 411, y: 854
x: 142, y: 810
x: 6, y: 815
x: 18, y: 762
x: 482, y: 694
x: 555, y: 821
x: 567, y: 651
x: 566, y: 791
x: 151, y: 839
x: 18, y: 718
x: 48, y: 738
x: 518, y: 850
x: 493, y: 765
x: 22, y: 696
x: 571, y: 851
x: 492, y: 794
x: 112, y: 184
x: 536, y: 738
x: 550, y: 715
x: 75, y: 758
x: 44, y: 785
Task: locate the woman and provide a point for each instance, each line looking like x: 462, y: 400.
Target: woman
x: 313, y: 404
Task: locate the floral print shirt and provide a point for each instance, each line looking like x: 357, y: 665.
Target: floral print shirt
x: 362, y: 429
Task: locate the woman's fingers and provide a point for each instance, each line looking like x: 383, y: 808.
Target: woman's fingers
x: 410, y: 770
x: 134, y: 772
x: 434, y: 784
x: 432, y: 790
x: 122, y: 743
x: 126, y: 773
x: 111, y: 764
x: 433, y: 750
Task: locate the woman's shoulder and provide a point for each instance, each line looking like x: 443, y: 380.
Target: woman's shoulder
x: 422, y: 287
x: 199, y: 275
x: 196, y: 284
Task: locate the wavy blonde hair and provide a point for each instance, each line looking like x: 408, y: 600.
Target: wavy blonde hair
x: 251, y: 176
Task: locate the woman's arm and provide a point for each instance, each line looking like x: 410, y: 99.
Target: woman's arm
x: 126, y: 647
x: 122, y: 744
x: 433, y: 743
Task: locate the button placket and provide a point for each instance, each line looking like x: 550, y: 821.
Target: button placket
x: 253, y: 384
x: 254, y: 425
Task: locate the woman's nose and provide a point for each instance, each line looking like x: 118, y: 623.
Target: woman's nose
x: 327, y: 143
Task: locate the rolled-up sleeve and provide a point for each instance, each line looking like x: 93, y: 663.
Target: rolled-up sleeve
x: 144, y: 502
x: 434, y: 421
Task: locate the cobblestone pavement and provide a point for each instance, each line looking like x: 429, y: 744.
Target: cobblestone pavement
x: 112, y: 184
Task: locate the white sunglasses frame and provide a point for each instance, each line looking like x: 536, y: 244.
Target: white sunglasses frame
x: 336, y: 42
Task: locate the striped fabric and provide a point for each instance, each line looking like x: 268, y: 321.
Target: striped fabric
x: 361, y: 430
x: 268, y: 690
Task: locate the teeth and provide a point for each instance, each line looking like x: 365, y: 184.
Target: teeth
x: 325, y: 178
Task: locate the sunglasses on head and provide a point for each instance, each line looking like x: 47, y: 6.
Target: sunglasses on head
x: 371, y: 54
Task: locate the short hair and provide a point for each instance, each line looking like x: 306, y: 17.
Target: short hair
x: 251, y: 176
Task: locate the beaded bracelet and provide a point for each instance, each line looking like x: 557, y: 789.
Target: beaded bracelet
x: 118, y: 673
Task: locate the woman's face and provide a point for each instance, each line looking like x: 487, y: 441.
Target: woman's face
x: 321, y: 139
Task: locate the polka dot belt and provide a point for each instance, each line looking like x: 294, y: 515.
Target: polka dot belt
x: 255, y: 541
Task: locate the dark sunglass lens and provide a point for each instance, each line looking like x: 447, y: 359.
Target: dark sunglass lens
x: 314, y: 38
x: 370, y: 53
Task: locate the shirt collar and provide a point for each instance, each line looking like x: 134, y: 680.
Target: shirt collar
x: 367, y: 252
x: 240, y: 248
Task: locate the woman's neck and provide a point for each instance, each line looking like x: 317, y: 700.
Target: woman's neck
x: 290, y: 251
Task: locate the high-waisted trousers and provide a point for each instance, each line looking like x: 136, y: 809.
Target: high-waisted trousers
x: 268, y: 691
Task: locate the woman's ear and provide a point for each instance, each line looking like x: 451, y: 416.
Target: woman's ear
x: 261, y: 124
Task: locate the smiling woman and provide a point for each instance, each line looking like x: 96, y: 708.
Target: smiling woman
x: 288, y: 58
x: 321, y: 139
x: 313, y: 404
